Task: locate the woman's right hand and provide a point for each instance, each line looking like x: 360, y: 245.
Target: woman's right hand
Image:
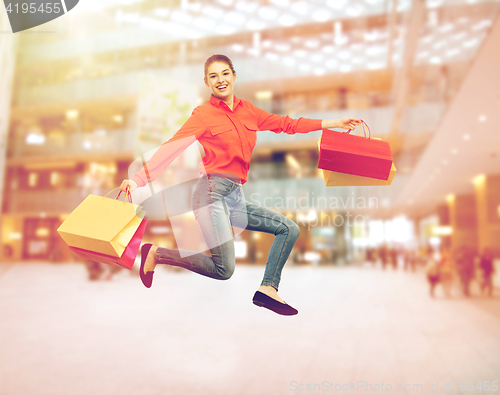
x: 128, y: 183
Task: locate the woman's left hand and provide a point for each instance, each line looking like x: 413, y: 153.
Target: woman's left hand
x: 344, y: 123
x: 348, y: 123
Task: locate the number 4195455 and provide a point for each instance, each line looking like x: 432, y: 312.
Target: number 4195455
x: 472, y: 386
x: 31, y: 8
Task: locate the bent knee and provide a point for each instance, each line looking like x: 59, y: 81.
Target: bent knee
x: 226, y: 273
x: 224, y: 268
x: 224, y: 260
x: 294, y: 230
x: 290, y: 228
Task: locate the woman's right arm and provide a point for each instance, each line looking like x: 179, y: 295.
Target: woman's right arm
x: 192, y: 129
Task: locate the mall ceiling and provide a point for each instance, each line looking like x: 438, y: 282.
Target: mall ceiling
x: 466, y: 144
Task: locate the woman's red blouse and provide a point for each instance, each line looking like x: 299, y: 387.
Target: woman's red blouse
x: 228, y: 138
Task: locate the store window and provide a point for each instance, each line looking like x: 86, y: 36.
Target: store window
x: 33, y: 178
x: 55, y: 178
x: 40, y: 237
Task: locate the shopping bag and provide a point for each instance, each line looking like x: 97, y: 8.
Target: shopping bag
x: 128, y: 257
x: 336, y: 179
x: 102, y: 225
x: 356, y: 155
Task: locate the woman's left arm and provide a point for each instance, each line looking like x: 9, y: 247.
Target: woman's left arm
x: 278, y: 124
x: 343, y: 123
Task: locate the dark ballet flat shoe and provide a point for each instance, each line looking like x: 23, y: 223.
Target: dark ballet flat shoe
x: 147, y: 279
x: 262, y: 300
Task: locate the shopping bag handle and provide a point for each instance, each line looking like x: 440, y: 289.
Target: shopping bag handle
x: 127, y: 194
x: 363, y: 128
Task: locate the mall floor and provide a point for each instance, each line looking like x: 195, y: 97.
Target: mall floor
x: 359, y: 329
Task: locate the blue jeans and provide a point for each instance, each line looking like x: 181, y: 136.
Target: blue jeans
x: 218, y: 204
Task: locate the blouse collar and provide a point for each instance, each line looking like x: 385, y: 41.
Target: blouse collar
x: 218, y: 102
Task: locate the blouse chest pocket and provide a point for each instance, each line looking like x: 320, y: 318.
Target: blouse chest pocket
x: 218, y: 129
x: 222, y: 136
x: 251, y: 125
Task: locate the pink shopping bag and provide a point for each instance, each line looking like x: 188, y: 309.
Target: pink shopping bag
x: 356, y: 155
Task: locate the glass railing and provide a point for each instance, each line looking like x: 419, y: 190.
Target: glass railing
x: 79, y: 90
x: 49, y: 202
x: 111, y: 142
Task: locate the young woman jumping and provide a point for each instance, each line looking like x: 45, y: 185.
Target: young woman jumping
x: 226, y: 128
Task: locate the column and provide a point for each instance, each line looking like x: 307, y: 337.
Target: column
x: 487, y: 191
x: 463, y: 219
x: 443, y: 212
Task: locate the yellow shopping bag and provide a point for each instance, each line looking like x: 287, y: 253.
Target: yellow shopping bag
x: 336, y: 179
x: 102, y: 225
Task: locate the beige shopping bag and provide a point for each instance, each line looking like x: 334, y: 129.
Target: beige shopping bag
x: 102, y: 225
x: 335, y: 179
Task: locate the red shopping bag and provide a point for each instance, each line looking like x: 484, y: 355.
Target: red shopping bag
x: 128, y: 257
x: 357, y: 155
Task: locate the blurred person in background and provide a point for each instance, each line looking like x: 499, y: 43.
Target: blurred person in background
x: 432, y: 272
x: 465, y: 268
x: 370, y: 255
x: 410, y: 259
x: 446, y: 269
x: 486, y: 266
x: 394, y: 257
x: 429, y: 252
x: 382, y: 253
x: 226, y: 128
x: 422, y: 255
x: 96, y: 271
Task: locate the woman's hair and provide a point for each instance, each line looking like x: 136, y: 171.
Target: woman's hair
x: 218, y: 58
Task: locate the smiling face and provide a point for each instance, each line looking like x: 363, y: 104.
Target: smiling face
x: 220, y: 79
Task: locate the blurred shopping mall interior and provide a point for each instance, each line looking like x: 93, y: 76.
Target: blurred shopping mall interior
x: 85, y: 95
